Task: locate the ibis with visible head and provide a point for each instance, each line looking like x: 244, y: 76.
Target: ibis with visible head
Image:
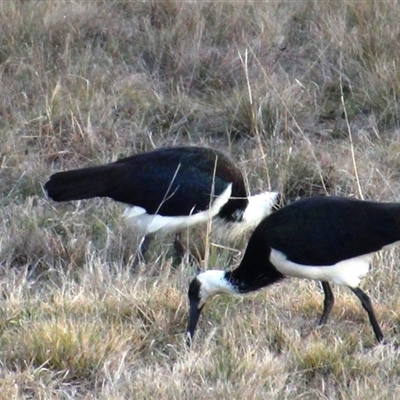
x: 328, y: 239
x: 169, y: 189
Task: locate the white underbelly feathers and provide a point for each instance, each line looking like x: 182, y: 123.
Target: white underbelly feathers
x: 147, y: 223
x: 347, y: 273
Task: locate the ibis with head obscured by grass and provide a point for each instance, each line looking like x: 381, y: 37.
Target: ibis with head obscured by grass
x: 170, y: 189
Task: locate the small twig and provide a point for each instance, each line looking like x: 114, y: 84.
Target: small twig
x: 253, y: 115
x: 353, y: 157
x: 209, y: 221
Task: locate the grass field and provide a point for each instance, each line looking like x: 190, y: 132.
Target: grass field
x: 304, y: 95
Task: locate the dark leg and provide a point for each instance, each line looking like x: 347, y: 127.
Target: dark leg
x: 178, y: 247
x: 329, y: 300
x: 366, y: 303
x: 143, y: 247
x: 180, y: 251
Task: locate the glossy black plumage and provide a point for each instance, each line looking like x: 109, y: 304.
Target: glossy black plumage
x: 168, y: 181
x: 322, y: 238
x: 169, y: 189
x: 319, y: 231
x: 326, y: 230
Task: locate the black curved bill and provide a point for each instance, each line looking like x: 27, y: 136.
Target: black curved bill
x: 194, y: 314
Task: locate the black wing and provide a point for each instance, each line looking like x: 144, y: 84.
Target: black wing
x: 326, y: 230
x: 168, y: 181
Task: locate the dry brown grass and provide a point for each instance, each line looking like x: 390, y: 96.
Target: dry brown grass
x: 304, y: 95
